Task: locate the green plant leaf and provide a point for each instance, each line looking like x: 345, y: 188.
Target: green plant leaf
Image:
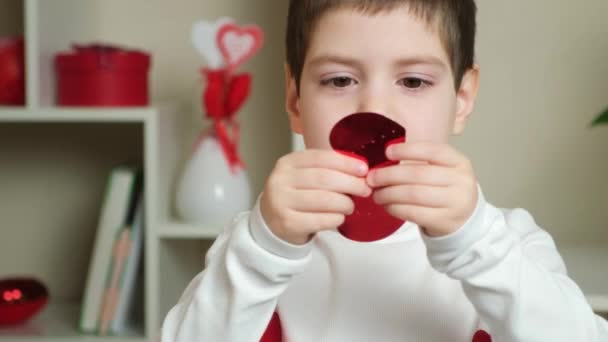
x: 601, y: 119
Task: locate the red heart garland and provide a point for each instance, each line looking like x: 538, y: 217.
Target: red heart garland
x: 366, y: 136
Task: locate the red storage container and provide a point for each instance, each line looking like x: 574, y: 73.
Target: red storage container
x: 12, y: 71
x: 102, y: 75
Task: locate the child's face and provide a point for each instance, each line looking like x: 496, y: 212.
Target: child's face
x: 391, y: 63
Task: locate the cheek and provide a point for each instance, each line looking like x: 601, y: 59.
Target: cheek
x: 319, y: 116
x: 430, y: 121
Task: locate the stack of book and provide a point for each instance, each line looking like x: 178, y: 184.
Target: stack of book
x: 113, y: 281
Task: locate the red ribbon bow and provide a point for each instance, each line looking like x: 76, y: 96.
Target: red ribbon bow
x: 223, y: 97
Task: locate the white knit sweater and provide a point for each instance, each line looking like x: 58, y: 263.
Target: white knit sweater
x: 499, y: 273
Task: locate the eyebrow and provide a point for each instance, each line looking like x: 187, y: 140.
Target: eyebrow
x: 334, y: 59
x: 403, y: 62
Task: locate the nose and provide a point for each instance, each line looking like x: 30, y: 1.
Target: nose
x: 373, y: 98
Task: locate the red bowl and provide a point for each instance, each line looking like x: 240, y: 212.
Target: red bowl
x: 21, y: 299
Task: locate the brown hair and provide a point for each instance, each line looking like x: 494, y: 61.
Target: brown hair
x: 454, y: 20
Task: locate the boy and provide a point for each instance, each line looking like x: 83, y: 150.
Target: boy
x: 459, y: 269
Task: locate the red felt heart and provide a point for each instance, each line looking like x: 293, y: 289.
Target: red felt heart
x: 238, y: 91
x: 238, y: 44
x: 366, y: 136
x: 213, y: 96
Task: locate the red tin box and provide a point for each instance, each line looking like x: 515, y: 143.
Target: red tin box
x: 12, y: 71
x: 102, y: 75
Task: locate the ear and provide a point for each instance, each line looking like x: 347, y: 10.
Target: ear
x: 465, y: 99
x: 292, y: 99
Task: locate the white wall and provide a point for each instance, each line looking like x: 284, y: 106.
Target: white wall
x: 544, y: 77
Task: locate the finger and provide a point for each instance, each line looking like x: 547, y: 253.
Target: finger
x: 318, y: 201
x: 421, y: 174
x: 437, y: 154
x: 330, y: 180
x: 326, y: 159
x: 316, y: 222
x: 417, y: 195
x: 422, y: 216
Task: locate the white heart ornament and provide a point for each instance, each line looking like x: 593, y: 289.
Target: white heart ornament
x: 203, y: 37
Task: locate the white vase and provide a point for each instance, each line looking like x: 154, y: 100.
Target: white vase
x: 209, y: 192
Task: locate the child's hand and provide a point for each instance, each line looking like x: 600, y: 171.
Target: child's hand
x: 435, y: 187
x: 307, y: 192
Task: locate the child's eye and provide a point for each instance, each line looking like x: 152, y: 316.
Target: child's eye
x: 413, y: 83
x: 339, y: 82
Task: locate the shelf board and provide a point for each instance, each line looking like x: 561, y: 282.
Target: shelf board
x: 75, y: 114
x: 181, y: 230
x: 58, y: 323
x: 586, y: 264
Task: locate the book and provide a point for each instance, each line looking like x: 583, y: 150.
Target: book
x: 121, y: 250
x: 118, y: 194
x: 125, y: 317
x: 121, y: 280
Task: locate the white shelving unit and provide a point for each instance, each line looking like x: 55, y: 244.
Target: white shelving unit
x: 156, y: 127
x: 71, y: 151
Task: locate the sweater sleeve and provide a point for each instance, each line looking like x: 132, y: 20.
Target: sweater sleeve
x: 513, y: 275
x: 233, y: 298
